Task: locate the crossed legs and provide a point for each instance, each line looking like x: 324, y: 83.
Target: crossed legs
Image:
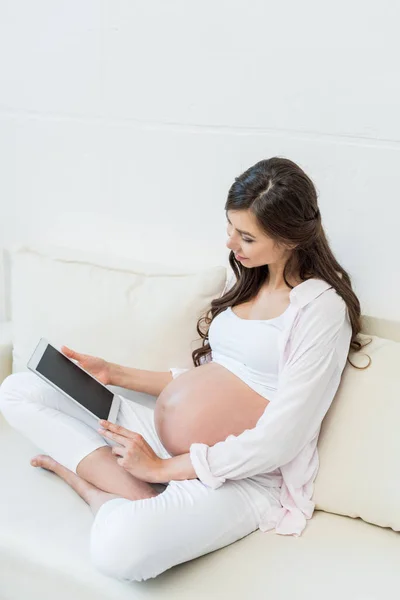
x: 77, y: 453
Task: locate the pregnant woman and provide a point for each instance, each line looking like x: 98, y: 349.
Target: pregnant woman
x: 231, y: 445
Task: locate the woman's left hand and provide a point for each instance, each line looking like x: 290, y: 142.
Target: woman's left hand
x: 136, y: 456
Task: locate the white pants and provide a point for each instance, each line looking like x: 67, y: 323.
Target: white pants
x: 134, y: 540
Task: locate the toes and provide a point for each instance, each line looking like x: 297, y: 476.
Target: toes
x: 35, y: 461
x: 41, y: 460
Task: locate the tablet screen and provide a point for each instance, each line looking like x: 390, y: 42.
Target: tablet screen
x: 75, y: 382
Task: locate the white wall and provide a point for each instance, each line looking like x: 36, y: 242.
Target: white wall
x: 124, y: 123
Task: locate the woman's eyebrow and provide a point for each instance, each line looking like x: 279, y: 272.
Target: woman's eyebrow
x: 241, y: 230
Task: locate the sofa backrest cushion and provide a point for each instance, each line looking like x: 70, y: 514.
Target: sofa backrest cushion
x: 133, y: 313
x: 359, y: 443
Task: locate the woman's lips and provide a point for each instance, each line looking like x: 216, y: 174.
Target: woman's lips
x: 240, y: 257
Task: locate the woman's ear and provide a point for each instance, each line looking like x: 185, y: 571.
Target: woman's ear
x: 291, y: 246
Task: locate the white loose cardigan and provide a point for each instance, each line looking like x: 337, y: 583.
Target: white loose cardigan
x: 282, y: 448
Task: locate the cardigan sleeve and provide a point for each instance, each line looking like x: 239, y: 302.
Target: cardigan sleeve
x: 176, y: 371
x: 307, y: 385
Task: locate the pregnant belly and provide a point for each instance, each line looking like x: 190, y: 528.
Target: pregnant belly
x: 205, y: 404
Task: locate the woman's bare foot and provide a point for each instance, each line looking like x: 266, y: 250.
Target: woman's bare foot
x: 91, y: 494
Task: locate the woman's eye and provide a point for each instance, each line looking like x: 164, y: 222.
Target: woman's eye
x: 230, y: 225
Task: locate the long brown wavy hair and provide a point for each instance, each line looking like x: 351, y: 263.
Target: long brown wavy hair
x: 284, y: 201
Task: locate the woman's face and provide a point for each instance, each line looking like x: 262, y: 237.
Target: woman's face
x: 248, y: 241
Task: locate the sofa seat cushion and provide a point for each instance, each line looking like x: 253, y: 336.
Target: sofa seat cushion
x: 44, y: 550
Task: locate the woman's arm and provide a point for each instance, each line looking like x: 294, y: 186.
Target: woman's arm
x: 139, y: 380
x: 177, y: 468
x: 307, y: 386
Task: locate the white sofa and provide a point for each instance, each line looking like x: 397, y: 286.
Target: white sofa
x: 144, y: 316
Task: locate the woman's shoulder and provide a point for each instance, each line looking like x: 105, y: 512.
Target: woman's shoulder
x: 328, y: 305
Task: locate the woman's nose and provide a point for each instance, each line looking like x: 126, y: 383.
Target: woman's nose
x: 230, y: 243
x: 231, y: 246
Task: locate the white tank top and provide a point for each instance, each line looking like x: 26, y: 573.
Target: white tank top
x: 248, y: 348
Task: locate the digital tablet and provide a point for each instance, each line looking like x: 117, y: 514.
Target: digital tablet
x: 74, y: 382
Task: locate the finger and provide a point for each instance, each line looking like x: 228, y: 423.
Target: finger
x: 73, y: 354
x: 68, y: 351
x: 118, y: 429
x: 114, y: 436
x: 118, y: 450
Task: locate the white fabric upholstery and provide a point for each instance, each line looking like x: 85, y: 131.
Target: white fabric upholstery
x: 44, y: 536
x: 129, y: 312
x: 5, y: 350
x: 359, y: 444
x: 144, y: 316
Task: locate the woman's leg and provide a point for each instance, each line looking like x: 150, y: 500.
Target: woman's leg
x: 135, y: 541
x: 68, y: 433
x: 91, y: 494
x: 132, y: 540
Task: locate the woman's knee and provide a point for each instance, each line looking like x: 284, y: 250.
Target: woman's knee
x: 12, y: 385
x: 15, y: 387
x: 112, y: 556
x: 125, y: 546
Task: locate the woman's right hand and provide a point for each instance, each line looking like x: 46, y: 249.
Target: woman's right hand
x: 98, y: 367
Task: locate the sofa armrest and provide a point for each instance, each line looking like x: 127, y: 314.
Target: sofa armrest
x: 5, y: 350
